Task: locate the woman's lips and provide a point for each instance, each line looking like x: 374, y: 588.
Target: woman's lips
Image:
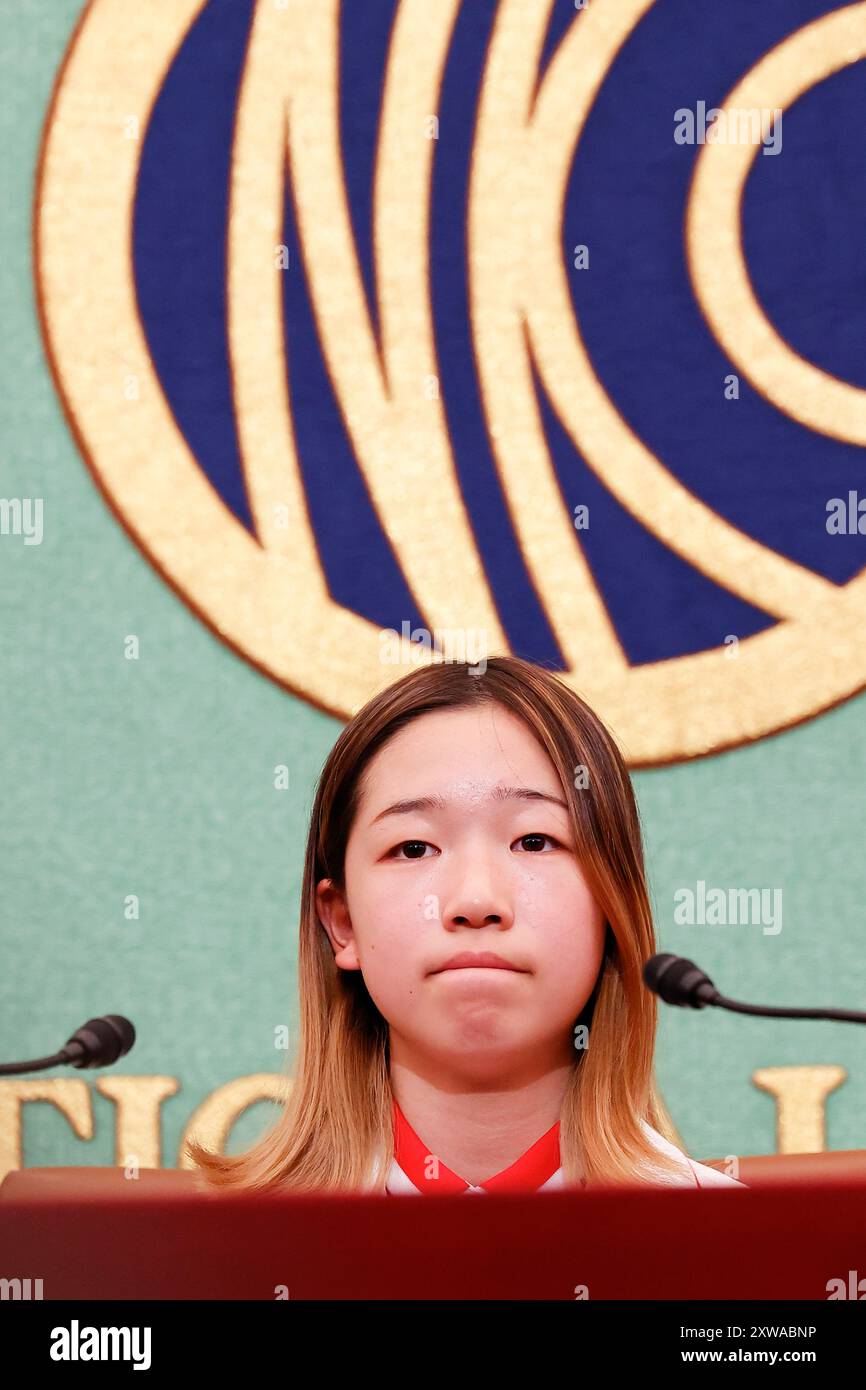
x: 477, y: 960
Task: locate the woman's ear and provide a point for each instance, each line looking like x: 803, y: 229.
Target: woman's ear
x: 334, y: 916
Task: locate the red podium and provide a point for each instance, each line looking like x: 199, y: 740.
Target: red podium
x: 89, y: 1233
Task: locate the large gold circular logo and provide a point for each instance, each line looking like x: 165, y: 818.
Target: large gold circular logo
x: 265, y: 592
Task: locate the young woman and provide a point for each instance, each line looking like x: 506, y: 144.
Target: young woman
x: 474, y: 923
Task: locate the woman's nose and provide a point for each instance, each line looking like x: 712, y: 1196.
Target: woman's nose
x: 477, y: 919
x: 479, y: 900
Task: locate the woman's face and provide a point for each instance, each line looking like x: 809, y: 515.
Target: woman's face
x: 478, y: 870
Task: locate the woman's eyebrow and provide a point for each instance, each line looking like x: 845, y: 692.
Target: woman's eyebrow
x: 439, y: 803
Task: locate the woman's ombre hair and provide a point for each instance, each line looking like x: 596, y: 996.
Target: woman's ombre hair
x: 338, y: 1119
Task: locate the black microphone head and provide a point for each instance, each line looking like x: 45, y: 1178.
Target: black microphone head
x: 679, y: 981
x: 100, y: 1041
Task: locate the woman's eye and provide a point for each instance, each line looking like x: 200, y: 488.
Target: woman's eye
x: 536, y: 838
x: 410, y: 844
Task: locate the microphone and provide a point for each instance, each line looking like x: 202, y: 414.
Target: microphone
x: 679, y: 981
x: 97, y: 1043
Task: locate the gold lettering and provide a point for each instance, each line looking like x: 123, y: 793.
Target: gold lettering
x: 211, y: 1123
x: 801, y: 1095
x: 137, y: 1136
x: 72, y: 1099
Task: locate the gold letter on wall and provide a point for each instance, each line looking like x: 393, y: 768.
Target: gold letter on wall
x: 137, y: 1139
x: 72, y: 1099
x: 801, y: 1094
x: 213, y: 1120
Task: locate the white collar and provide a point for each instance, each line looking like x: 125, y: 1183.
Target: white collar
x: 691, y: 1174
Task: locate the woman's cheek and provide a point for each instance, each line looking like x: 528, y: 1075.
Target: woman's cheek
x: 573, y: 958
x: 387, y: 967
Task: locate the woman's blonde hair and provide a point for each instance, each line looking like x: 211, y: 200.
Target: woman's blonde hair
x: 338, y: 1119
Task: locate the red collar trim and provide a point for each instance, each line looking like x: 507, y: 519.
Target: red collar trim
x: 429, y: 1174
